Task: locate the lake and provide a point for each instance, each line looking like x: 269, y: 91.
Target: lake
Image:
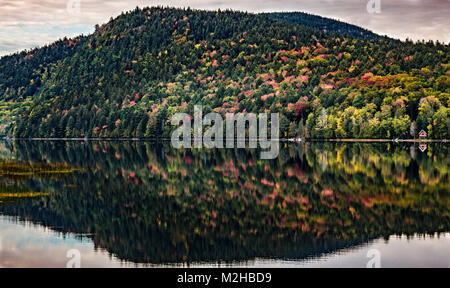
x: 146, y: 204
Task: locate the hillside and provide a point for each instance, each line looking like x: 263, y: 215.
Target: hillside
x: 134, y: 72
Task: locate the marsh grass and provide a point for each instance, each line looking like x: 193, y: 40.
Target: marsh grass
x: 24, y: 169
x: 18, y: 172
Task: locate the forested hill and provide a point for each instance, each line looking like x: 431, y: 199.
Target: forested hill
x: 324, y: 24
x: 134, y: 72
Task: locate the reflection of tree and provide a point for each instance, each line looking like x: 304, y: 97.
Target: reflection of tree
x: 147, y: 202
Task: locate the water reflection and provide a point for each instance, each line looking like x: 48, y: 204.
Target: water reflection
x: 148, y: 203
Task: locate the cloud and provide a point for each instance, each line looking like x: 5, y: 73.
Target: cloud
x: 30, y: 23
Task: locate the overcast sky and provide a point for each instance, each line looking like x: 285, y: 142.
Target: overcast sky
x: 29, y: 23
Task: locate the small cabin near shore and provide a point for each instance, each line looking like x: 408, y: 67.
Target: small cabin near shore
x: 423, y: 134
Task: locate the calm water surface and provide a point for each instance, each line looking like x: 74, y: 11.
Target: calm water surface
x: 128, y: 204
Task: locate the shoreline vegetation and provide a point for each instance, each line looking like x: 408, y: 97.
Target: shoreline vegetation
x: 26, y: 169
x: 15, y: 174
x: 293, y: 140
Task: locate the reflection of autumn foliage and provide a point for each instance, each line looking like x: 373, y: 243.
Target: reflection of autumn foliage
x: 26, y: 169
x: 157, y: 204
x: 15, y: 174
x: 10, y: 193
x: 113, y: 83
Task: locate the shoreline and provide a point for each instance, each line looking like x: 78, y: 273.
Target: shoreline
x: 291, y: 140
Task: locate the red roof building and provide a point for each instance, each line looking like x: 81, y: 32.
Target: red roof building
x: 423, y: 134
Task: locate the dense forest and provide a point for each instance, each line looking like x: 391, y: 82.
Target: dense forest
x: 324, y: 24
x: 133, y: 73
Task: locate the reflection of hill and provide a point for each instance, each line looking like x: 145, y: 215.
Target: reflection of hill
x: 146, y: 202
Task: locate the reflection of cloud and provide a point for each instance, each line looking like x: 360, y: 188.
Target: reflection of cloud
x: 25, y: 24
x: 27, y: 245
